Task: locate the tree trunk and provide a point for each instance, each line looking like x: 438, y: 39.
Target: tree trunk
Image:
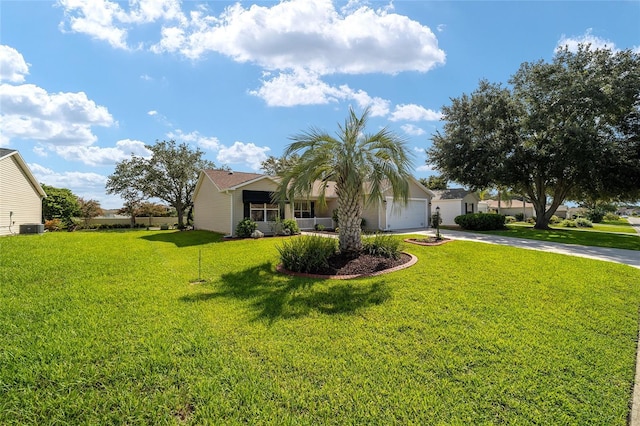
x: 180, y: 211
x: 349, y: 212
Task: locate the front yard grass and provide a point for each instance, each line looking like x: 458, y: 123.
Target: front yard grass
x: 109, y: 328
x: 571, y: 236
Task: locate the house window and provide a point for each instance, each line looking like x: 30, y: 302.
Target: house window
x: 468, y: 208
x: 264, y: 212
x: 302, y: 209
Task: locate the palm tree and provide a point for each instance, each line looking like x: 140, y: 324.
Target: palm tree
x: 363, y: 166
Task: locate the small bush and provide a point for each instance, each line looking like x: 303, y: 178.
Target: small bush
x: 245, y: 228
x: 595, y: 215
x: 383, y: 245
x: 436, y: 220
x: 568, y: 223
x: 519, y: 217
x: 291, y: 225
x: 307, y: 253
x: 531, y: 220
x: 583, y: 223
x: 319, y: 227
x: 509, y: 219
x: 363, y: 223
x: 53, y: 225
x: 257, y: 234
x: 555, y: 219
x: 480, y: 221
x: 611, y: 216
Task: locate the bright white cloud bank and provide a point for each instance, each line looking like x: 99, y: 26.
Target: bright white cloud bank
x: 300, y: 40
x: 13, y: 67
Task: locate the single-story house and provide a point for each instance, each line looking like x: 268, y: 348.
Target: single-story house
x: 454, y: 202
x: 515, y: 206
x: 223, y: 198
x: 20, y: 194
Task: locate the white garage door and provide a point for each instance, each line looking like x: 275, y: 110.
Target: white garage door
x: 412, y: 215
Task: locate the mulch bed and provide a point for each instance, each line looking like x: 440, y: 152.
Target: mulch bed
x: 427, y: 241
x: 364, y: 265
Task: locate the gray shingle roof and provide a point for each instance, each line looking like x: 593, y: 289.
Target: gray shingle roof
x: 450, y: 194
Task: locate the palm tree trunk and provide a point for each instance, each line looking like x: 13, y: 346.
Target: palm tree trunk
x: 349, y: 213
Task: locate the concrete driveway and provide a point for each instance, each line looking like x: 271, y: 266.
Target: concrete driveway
x: 627, y: 257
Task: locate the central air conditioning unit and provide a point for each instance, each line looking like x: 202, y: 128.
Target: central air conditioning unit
x: 32, y: 228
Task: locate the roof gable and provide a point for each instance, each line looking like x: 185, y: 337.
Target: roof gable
x: 6, y: 153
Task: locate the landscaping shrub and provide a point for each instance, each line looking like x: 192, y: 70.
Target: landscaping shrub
x: 319, y: 227
x: 53, y: 225
x: 480, y: 221
x: 245, y: 228
x: 555, y: 219
x: 383, y: 245
x: 568, y: 223
x: 611, y: 216
x: 257, y: 234
x: 595, y: 215
x: 307, y: 253
x: 519, y: 217
x: 583, y: 223
x: 510, y: 219
x: 436, y: 220
x: 531, y: 220
x: 291, y: 225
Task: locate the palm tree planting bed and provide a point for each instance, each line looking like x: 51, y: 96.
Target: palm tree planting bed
x: 365, y: 265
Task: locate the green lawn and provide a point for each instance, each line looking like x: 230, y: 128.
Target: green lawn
x: 109, y: 328
x: 572, y: 236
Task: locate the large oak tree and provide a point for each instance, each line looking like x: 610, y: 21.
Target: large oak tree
x: 562, y: 128
x: 170, y: 174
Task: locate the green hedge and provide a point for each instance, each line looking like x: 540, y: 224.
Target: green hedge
x: 480, y: 221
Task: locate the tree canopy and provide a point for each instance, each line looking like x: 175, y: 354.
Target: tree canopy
x: 276, y: 166
x: 434, y: 182
x: 89, y: 209
x: 352, y: 160
x: 60, y: 203
x: 567, y: 127
x: 170, y: 174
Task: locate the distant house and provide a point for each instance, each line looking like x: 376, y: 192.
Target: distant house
x: 454, y: 202
x: 223, y: 198
x: 514, y: 207
x: 20, y: 194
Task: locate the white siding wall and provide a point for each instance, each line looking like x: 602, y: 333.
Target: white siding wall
x: 17, y: 195
x: 449, y: 209
x: 211, y: 209
x: 238, y: 205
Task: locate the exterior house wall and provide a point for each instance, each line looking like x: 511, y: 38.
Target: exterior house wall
x: 238, y: 206
x: 17, y: 195
x: 211, y: 208
x: 449, y: 209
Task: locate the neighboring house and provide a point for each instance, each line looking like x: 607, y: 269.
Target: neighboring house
x: 515, y: 206
x: 223, y: 198
x: 20, y: 194
x: 454, y: 202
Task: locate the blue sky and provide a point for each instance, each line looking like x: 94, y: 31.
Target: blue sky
x: 86, y: 83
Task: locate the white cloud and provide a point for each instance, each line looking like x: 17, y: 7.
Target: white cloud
x: 13, y: 67
x: 413, y: 112
x: 76, y: 181
x: 412, y: 130
x: 152, y: 113
x: 587, y: 38
x: 40, y: 151
x: 29, y: 112
x: 243, y: 153
x: 309, y: 34
x: 441, y: 27
x: 106, y: 21
x: 306, y: 88
x: 425, y: 168
x: 207, y: 142
x: 97, y: 156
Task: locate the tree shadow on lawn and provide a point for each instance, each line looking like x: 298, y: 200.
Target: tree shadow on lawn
x: 277, y: 296
x: 185, y: 238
